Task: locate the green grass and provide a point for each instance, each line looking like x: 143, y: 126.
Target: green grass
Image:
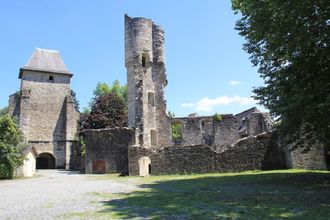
x: 287, y: 194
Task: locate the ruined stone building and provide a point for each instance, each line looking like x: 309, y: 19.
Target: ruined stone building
x: 245, y: 141
x: 45, y: 109
x: 146, y: 80
x: 221, y: 143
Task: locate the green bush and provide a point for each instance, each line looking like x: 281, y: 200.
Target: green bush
x: 11, y: 147
x: 177, y: 132
x: 217, y: 117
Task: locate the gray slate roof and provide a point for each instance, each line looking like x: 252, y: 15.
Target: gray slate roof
x: 45, y: 60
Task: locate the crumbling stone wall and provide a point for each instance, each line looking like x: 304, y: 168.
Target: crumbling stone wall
x: 251, y: 153
x: 146, y: 79
x: 110, y: 146
x: 260, y: 152
x: 14, y: 105
x: 223, y: 133
x: 191, y: 130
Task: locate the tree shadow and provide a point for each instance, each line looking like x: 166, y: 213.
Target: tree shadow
x: 258, y: 196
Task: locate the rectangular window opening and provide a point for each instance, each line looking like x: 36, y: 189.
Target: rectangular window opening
x: 143, y: 61
x: 151, y: 98
x: 177, y: 136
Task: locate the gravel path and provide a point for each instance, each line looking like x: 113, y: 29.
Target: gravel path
x: 54, y: 194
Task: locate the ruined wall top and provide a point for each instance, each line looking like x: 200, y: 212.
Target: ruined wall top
x: 143, y: 36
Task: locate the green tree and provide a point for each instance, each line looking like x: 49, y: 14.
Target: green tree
x: 103, y: 89
x: 289, y: 42
x: 108, y: 111
x: 3, y: 111
x: 119, y: 90
x: 11, y: 146
x: 75, y: 100
x: 177, y: 132
x: 217, y: 117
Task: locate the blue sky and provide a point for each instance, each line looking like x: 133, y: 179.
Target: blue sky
x: 207, y: 69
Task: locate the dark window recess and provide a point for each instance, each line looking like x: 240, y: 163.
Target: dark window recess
x: 143, y: 61
x: 51, y: 78
x: 149, y: 169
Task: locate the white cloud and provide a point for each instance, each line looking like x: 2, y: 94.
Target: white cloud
x: 189, y: 105
x: 235, y: 83
x: 207, y: 104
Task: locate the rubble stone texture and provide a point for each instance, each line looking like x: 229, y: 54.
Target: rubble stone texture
x: 146, y: 80
x: 44, y: 107
x: 46, y: 114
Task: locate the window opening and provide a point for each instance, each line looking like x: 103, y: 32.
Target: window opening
x: 143, y: 61
x: 177, y: 136
x: 153, y: 138
x: 151, y: 98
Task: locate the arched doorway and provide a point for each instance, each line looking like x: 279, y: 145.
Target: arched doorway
x: 45, y: 161
x: 144, y: 166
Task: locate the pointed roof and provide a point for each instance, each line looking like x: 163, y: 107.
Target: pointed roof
x: 45, y: 60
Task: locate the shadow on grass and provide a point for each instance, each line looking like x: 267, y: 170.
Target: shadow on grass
x: 303, y: 195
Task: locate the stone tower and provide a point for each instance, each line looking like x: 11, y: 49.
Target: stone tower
x: 45, y: 109
x: 146, y: 80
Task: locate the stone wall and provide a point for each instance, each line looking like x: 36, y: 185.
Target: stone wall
x: 259, y: 122
x: 45, y: 109
x: 146, y: 79
x: 14, y: 105
x: 225, y: 132
x: 108, y: 146
x: 260, y: 152
x: 302, y: 158
x: 55, y: 148
x: 252, y: 153
x: 46, y: 105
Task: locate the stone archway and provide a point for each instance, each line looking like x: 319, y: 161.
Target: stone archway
x: 45, y: 161
x: 144, y: 166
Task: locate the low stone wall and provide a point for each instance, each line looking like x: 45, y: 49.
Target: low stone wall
x: 312, y: 159
x: 259, y: 152
x: 107, y: 150
x: 252, y: 153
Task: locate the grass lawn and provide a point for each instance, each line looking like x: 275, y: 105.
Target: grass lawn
x: 286, y: 194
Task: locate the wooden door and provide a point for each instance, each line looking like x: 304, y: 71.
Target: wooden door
x: 99, y: 166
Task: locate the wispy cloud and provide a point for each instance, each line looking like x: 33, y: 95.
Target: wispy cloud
x: 207, y: 104
x: 235, y: 83
x: 189, y: 105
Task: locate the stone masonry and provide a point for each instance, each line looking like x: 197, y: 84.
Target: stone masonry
x: 44, y: 107
x: 47, y: 116
x: 107, y: 150
x: 146, y: 79
x: 205, y: 141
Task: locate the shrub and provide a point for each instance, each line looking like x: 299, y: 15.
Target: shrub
x: 11, y: 147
